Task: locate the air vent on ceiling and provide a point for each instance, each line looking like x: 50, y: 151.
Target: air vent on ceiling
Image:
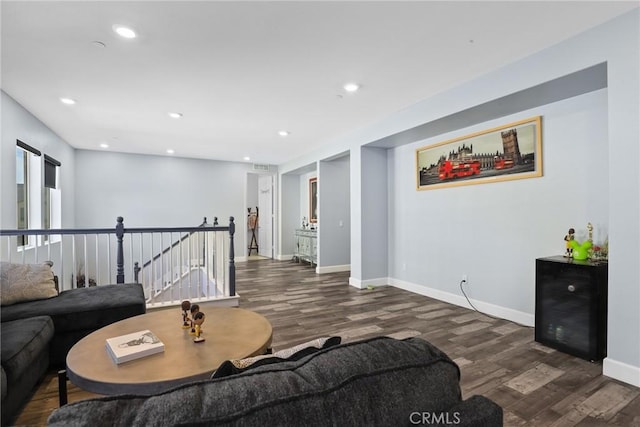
x: 259, y: 167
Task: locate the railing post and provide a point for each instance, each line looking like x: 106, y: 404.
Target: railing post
x: 136, y: 270
x: 119, y: 250
x: 232, y: 265
x: 204, y: 242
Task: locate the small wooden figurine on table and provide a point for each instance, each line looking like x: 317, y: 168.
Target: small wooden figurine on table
x: 198, y: 320
x: 186, y: 305
x: 195, y: 309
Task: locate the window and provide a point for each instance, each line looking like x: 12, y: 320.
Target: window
x: 51, y: 217
x: 38, y: 197
x: 22, y: 190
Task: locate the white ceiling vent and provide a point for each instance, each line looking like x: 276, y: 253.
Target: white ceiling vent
x: 260, y: 167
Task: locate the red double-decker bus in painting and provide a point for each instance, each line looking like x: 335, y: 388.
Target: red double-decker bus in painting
x: 450, y: 169
x: 500, y: 163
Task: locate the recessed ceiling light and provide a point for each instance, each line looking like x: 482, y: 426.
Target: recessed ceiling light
x: 125, y: 32
x: 170, y: 151
x: 104, y: 145
x: 246, y: 159
x: 283, y: 133
x: 175, y: 115
x: 351, y: 87
x: 67, y: 101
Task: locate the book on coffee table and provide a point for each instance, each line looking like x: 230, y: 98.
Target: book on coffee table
x: 133, y: 346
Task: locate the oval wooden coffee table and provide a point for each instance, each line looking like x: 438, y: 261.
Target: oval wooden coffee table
x: 230, y: 333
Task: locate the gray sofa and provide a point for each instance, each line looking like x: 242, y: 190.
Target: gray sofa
x: 37, y: 335
x: 374, y: 382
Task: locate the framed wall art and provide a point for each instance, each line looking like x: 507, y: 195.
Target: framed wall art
x: 313, y: 200
x: 511, y: 151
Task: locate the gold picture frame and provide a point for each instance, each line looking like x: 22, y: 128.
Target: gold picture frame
x: 313, y: 200
x: 507, y: 152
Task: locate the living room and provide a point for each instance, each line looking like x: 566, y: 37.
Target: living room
x: 586, y: 90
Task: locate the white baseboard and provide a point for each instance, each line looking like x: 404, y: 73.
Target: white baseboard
x: 459, y: 300
x: 363, y: 284
x: 621, y: 371
x: 233, y: 301
x: 284, y: 257
x: 333, y: 268
x: 240, y: 259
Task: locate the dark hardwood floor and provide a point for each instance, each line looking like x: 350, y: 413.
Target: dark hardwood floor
x: 535, y: 385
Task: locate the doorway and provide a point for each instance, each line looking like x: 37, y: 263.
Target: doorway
x: 265, y: 222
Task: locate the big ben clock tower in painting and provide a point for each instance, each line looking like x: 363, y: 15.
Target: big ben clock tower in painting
x: 511, y: 147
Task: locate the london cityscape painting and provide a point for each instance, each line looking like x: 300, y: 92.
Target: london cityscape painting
x: 511, y: 151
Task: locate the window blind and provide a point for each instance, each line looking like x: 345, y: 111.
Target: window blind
x: 50, y: 165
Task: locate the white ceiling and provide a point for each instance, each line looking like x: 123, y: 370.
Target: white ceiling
x: 241, y: 71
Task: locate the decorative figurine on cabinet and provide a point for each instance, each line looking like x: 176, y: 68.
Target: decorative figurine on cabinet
x: 198, y: 320
x: 186, y: 305
x: 569, y: 238
x: 600, y: 252
x: 580, y: 251
x: 195, y: 309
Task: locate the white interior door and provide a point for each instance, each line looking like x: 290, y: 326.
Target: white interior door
x: 265, y: 221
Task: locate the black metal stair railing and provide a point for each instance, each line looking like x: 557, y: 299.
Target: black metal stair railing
x: 177, y: 242
x: 168, y: 277
x: 88, y: 252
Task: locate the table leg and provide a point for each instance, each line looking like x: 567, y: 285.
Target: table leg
x: 62, y: 387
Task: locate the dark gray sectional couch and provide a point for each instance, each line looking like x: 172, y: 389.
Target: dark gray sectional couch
x: 37, y: 335
x: 374, y: 382
x: 25, y: 359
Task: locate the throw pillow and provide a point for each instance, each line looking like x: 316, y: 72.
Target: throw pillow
x: 236, y: 366
x: 26, y: 282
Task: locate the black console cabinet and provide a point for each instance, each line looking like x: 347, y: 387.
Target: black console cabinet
x: 571, y: 306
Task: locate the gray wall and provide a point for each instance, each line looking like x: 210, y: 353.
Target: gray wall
x: 621, y: 40
x: 494, y: 232
x: 334, y: 234
x: 289, y: 208
x: 18, y: 123
x: 374, y: 225
x: 159, y: 191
